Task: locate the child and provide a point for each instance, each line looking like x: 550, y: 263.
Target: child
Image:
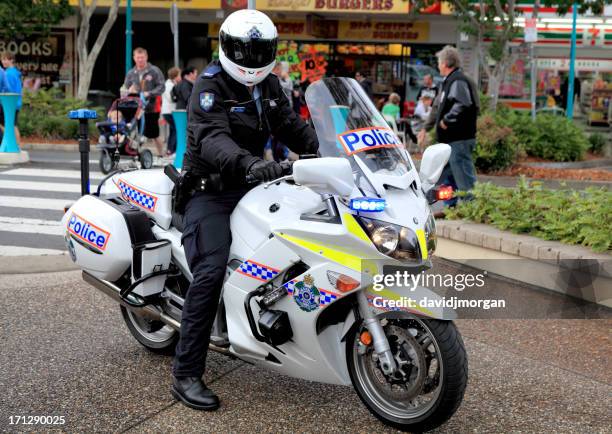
x: 114, y: 129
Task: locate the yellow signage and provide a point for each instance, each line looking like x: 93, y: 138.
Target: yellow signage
x: 349, y: 31
x: 383, y: 31
x: 341, y: 6
x: 165, y: 4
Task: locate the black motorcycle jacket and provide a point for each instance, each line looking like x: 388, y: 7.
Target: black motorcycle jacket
x: 226, y: 132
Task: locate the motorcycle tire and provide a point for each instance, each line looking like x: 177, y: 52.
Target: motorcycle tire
x: 106, y: 162
x: 153, y: 335
x: 146, y: 158
x: 452, y: 377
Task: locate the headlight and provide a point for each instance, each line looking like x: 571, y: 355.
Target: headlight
x: 385, y: 238
x: 430, y: 234
x: 392, y: 240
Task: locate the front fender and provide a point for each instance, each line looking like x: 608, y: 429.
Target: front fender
x: 380, y: 302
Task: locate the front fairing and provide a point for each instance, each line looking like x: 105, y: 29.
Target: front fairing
x: 348, y: 125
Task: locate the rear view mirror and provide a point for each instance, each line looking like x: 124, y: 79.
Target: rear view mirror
x: 325, y: 175
x: 434, y: 159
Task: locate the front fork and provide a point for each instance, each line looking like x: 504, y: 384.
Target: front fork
x: 381, y: 343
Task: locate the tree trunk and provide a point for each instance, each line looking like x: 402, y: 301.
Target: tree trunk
x: 87, y: 59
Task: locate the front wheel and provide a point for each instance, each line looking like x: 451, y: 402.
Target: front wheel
x: 156, y: 336
x: 427, y: 387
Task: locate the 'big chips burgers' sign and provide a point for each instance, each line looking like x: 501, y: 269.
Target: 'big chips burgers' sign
x: 372, y: 6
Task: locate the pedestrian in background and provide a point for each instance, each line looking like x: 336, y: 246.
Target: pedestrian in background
x: 182, y: 91
x: 168, y: 106
x: 391, y: 107
x: 147, y: 80
x: 281, y: 70
x: 456, y: 121
x: 428, y: 86
x: 12, y: 84
x: 365, y: 83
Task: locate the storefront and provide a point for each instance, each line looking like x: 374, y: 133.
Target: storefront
x: 45, y: 61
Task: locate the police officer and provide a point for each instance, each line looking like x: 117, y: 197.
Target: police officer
x: 235, y: 106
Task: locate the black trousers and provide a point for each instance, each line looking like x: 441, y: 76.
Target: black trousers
x: 206, y: 239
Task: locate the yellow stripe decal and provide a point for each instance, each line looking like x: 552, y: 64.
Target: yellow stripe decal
x: 349, y: 261
x: 422, y: 242
x: 354, y: 228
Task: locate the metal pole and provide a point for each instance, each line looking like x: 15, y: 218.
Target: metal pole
x: 570, y: 87
x: 533, y: 79
x: 84, y: 153
x: 128, y: 36
x: 174, y: 20
x: 251, y: 4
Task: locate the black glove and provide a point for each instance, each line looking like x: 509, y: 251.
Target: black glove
x: 265, y: 170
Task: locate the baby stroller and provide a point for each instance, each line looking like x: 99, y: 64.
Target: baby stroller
x: 121, y: 134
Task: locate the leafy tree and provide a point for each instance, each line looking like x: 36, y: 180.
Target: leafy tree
x: 22, y: 18
x: 496, y: 20
x: 87, y: 56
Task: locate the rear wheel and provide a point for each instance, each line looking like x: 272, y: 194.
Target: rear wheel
x: 430, y: 381
x: 153, y: 335
x: 146, y: 158
x: 106, y: 162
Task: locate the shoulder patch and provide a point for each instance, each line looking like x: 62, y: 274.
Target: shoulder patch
x: 207, y: 99
x: 211, y: 71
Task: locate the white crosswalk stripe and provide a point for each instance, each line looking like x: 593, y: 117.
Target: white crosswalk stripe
x: 31, y: 226
x: 40, y: 186
x: 33, y: 203
x: 30, y: 212
x: 51, y: 173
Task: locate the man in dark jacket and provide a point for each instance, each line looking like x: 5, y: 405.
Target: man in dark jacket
x: 456, y: 120
x: 182, y: 91
x: 236, y: 105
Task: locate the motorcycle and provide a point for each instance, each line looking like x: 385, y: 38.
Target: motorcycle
x: 298, y: 296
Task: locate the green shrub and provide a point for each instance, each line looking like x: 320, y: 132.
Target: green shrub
x: 597, y: 141
x: 496, y: 145
x: 45, y: 113
x: 558, y: 139
x: 522, y: 126
x: 572, y: 217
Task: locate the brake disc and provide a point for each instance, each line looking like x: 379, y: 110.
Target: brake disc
x: 407, y: 382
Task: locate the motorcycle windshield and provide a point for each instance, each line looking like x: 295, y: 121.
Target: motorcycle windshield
x: 348, y: 125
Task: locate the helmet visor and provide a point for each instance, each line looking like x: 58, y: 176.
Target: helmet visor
x: 247, y: 52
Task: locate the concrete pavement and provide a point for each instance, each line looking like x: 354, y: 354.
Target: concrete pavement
x: 65, y: 351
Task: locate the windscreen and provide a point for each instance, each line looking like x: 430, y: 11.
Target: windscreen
x: 348, y: 125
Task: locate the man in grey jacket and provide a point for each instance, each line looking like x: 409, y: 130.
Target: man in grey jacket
x: 148, y: 81
x: 456, y: 121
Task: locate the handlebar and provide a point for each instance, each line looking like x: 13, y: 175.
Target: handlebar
x: 287, y: 167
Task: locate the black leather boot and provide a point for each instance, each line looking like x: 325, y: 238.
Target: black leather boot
x: 194, y: 394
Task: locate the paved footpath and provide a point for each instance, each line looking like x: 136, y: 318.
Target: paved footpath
x: 66, y: 352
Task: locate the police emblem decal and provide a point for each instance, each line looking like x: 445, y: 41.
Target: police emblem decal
x: 254, y: 33
x: 306, y: 295
x: 207, y: 100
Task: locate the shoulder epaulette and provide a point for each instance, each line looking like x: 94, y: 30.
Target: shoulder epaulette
x: 211, y: 71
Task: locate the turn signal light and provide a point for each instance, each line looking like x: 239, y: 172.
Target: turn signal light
x: 444, y: 192
x: 366, y: 338
x: 342, y: 282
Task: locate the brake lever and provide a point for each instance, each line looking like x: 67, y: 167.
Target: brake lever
x: 278, y: 180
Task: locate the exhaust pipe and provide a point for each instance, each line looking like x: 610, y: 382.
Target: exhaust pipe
x: 113, y: 292
x: 148, y: 311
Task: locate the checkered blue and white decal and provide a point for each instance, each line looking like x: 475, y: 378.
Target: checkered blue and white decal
x: 137, y: 197
x: 257, y: 271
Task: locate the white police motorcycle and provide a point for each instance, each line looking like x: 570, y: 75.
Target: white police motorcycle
x: 298, y: 296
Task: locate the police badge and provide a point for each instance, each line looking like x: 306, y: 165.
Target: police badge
x: 207, y: 100
x: 306, y: 295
